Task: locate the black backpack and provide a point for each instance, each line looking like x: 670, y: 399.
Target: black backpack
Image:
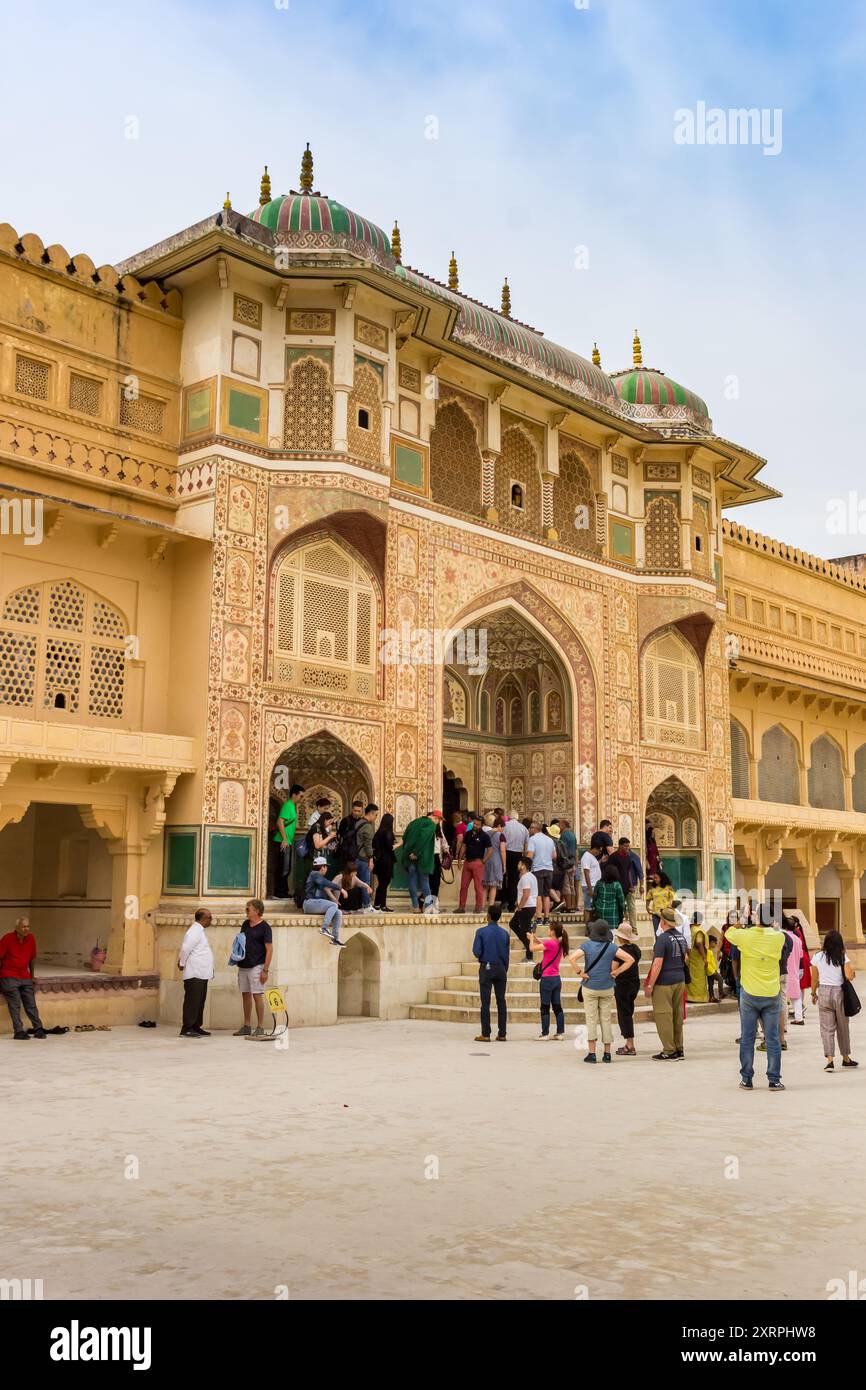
x: 347, y: 847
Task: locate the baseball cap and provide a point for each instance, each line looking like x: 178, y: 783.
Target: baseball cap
x: 320, y: 859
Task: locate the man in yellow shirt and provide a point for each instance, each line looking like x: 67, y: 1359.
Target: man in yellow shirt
x: 760, y: 951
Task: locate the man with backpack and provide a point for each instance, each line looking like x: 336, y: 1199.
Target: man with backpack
x: 364, y: 841
x: 666, y: 986
x: 347, y: 833
x: 254, y: 966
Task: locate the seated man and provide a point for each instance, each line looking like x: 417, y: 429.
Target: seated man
x: 320, y: 898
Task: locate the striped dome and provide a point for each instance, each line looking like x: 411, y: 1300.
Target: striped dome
x: 658, y: 394
x: 311, y: 213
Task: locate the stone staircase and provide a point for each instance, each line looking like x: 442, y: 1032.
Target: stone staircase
x: 459, y: 1001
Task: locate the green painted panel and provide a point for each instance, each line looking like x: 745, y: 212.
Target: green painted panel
x: 198, y: 410
x: 723, y: 873
x: 683, y: 869
x: 409, y: 466
x: 622, y: 541
x: 229, y: 859
x: 245, y: 411
x: 181, y: 860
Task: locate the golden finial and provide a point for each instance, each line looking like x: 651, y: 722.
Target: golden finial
x: 637, y: 354
x: 227, y: 205
x: 506, y: 298
x: 596, y: 355
x: 265, y: 189
x: 307, y: 170
x: 396, y: 248
x: 453, y: 281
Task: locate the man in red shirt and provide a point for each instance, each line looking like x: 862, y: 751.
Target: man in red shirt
x: 17, y: 954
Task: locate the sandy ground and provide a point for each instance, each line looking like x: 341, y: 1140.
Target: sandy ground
x: 308, y: 1167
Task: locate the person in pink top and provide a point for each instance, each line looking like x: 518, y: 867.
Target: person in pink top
x: 793, y: 990
x: 554, y: 949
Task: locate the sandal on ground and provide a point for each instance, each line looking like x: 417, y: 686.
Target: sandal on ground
x: 626, y: 1052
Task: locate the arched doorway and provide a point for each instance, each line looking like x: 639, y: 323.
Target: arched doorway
x: 358, y: 979
x: 675, y: 816
x: 325, y: 767
x: 508, y: 720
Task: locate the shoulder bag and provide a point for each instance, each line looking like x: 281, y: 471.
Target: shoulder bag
x: 597, y: 960
x: 538, y: 967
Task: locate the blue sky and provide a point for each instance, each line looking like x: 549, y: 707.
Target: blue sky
x: 742, y: 272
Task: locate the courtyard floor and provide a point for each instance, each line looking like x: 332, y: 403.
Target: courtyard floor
x: 314, y: 1167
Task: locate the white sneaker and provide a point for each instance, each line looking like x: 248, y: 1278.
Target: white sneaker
x: 323, y: 931
x: 542, y: 1037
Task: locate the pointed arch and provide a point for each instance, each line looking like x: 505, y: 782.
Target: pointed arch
x: 308, y: 406
x: 826, y: 777
x: 325, y: 608
x: 574, y: 505
x: 365, y: 413
x: 581, y: 686
x: 63, y: 647
x: 779, y: 767
x: 740, y: 778
x: 518, y: 466
x: 455, y: 460
x: 672, y: 691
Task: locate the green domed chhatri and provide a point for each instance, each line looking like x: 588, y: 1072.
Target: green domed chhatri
x: 306, y: 213
x: 647, y: 387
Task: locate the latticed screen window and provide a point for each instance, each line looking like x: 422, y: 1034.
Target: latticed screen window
x: 144, y: 413
x: 739, y: 761
x: 778, y: 770
x: 858, y: 781
x: 672, y: 692
x: 826, y: 782
x: 32, y: 378
x: 62, y: 648
x: 324, y: 621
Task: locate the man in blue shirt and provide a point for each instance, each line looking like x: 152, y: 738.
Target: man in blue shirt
x: 630, y: 871
x: 492, y: 949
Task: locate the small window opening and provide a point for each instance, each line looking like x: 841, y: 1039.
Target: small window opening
x: 363, y: 419
x: 60, y: 700
x: 517, y: 496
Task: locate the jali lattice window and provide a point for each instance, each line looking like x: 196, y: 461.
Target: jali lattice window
x: 672, y: 693
x: 309, y: 407
x: 739, y: 761
x: 662, y: 535
x: 62, y: 647
x: 455, y: 463
x: 779, y: 768
x: 826, y: 780
x: 324, y: 625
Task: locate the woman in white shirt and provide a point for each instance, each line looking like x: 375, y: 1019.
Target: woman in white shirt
x: 827, y: 968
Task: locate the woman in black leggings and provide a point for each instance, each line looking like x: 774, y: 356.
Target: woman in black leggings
x: 625, y: 989
x: 383, y: 858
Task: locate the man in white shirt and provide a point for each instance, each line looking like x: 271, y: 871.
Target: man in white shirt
x: 196, y: 962
x: 541, y: 849
x: 683, y: 924
x: 527, y: 899
x: 590, y: 873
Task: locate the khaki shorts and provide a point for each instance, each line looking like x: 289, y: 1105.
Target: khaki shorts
x: 250, y: 981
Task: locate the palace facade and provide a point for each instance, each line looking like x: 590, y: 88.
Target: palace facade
x: 276, y: 507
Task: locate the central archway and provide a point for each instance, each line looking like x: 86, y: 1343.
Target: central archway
x: 508, y: 719
x: 530, y: 618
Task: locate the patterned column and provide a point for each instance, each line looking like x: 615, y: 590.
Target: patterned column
x: 550, y: 530
x: 488, y: 483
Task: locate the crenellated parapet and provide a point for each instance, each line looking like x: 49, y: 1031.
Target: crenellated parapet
x: 105, y: 279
